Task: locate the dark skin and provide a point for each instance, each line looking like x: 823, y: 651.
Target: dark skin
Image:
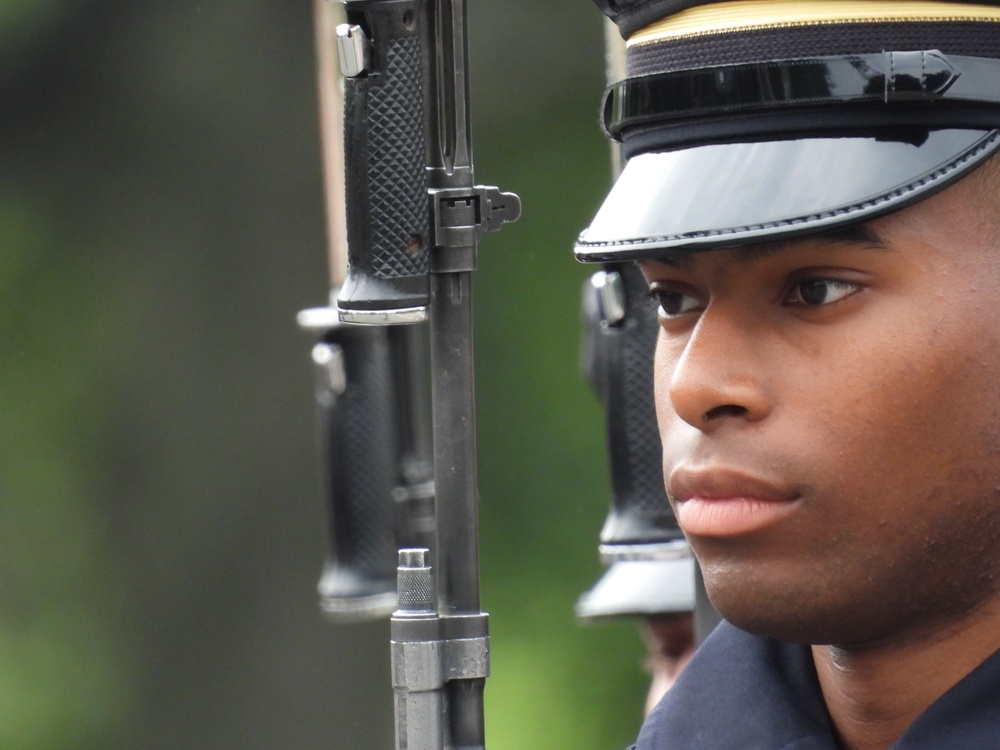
x: 669, y: 640
x: 846, y: 384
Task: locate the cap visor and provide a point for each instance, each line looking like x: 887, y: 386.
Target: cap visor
x: 640, y: 588
x: 737, y: 193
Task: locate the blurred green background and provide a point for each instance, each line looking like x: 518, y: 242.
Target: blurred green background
x: 160, y: 522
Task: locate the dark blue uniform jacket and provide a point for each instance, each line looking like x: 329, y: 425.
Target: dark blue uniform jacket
x: 744, y: 692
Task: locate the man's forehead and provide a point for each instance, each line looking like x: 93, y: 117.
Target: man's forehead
x: 861, y: 236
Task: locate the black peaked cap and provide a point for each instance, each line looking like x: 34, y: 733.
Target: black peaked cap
x: 747, y: 121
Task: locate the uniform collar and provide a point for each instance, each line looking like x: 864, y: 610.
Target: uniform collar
x: 756, y: 693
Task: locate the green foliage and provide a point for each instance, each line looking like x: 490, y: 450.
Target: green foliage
x: 24, y: 22
x: 63, y: 670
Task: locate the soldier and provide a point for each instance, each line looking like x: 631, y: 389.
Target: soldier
x: 660, y: 595
x: 811, y: 198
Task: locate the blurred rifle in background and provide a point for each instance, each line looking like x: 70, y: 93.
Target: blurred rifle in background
x: 617, y: 359
x: 395, y: 390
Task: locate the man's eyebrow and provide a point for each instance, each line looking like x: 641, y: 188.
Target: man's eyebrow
x: 857, y: 235
x: 677, y: 260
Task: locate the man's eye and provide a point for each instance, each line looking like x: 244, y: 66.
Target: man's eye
x: 672, y: 304
x: 814, y: 292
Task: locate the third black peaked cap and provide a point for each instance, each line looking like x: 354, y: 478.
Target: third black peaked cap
x: 749, y: 121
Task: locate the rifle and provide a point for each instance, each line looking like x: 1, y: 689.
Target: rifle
x: 372, y: 398
x: 411, y: 219
x: 621, y: 329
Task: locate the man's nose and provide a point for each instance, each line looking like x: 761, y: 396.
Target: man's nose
x: 719, y: 374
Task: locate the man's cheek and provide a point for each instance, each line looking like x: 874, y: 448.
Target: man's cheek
x: 676, y: 435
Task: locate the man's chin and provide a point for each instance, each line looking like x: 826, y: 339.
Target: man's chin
x: 791, y: 616
x: 783, y: 630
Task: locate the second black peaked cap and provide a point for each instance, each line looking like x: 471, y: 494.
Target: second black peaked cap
x: 748, y: 121
x: 632, y: 15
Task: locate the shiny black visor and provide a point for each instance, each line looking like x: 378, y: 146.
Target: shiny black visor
x: 746, y: 154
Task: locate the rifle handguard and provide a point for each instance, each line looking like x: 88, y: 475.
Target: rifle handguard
x: 385, y: 146
x: 354, y: 402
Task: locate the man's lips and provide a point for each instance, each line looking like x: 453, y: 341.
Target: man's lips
x: 721, y: 502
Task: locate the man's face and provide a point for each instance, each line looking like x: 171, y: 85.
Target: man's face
x: 830, y: 417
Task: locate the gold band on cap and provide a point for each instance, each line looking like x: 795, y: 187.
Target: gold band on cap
x: 717, y: 18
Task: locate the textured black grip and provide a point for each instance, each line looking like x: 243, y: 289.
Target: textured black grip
x: 385, y: 148
x: 357, y: 443
x: 620, y: 367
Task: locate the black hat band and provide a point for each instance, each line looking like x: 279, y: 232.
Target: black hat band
x: 972, y: 38
x: 928, y: 80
